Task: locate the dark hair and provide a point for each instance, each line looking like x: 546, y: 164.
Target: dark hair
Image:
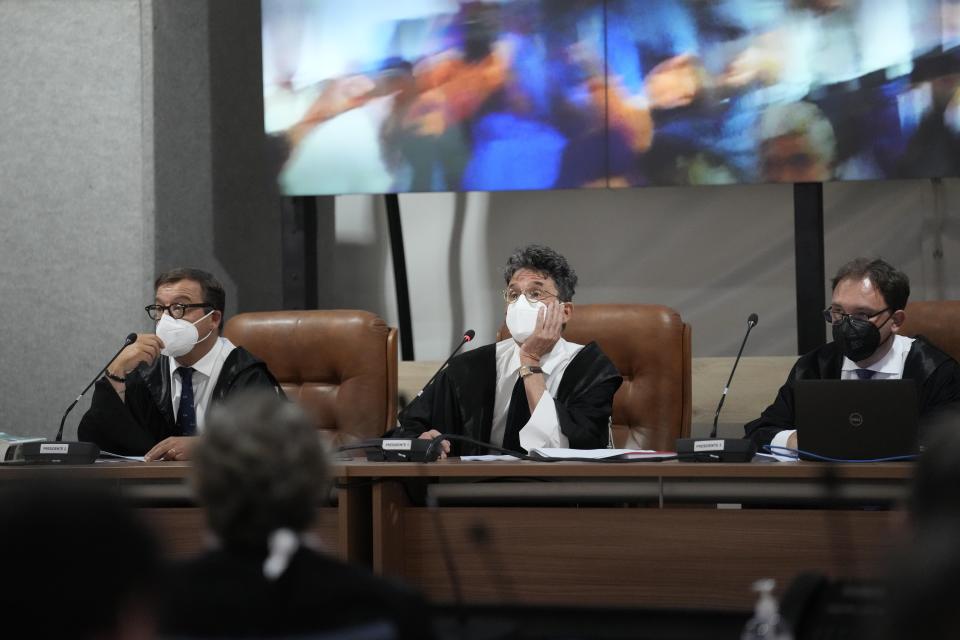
x: 544, y: 260
x: 259, y: 466
x: 83, y: 538
x: 894, y: 285
x: 925, y: 575
x: 213, y: 293
x: 936, y: 475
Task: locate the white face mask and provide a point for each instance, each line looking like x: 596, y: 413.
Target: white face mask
x: 178, y: 336
x: 522, y: 318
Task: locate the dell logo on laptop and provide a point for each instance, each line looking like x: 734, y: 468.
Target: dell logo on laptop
x: 856, y: 419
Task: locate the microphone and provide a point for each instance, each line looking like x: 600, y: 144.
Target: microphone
x: 403, y: 449
x: 468, y: 335
x: 724, y: 449
x: 751, y: 323
x: 71, y: 452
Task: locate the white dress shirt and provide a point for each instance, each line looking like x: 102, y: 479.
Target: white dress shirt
x: 206, y: 372
x: 543, y: 428
x: 889, y: 367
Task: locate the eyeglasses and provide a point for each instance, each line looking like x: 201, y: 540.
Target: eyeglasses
x: 176, y: 310
x: 532, y: 295
x: 836, y: 316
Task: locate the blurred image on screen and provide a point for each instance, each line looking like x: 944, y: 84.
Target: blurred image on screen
x: 386, y: 96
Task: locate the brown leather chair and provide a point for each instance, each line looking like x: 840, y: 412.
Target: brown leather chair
x: 938, y: 321
x: 339, y: 365
x: 650, y: 346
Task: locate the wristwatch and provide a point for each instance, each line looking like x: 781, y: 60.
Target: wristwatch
x: 525, y: 370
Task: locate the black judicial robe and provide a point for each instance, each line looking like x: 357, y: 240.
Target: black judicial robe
x: 133, y: 427
x: 937, y: 376
x: 224, y: 594
x: 460, y: 400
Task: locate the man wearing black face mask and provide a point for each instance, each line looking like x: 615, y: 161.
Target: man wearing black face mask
x: 866, y: 313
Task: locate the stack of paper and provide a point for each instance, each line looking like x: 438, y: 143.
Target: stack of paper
x: 601, y: 454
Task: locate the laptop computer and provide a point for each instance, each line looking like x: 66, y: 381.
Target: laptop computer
x: 857, y: 419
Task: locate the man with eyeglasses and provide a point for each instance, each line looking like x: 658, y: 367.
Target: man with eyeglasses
x: 533, y: 389
x: 155, y: 394
x: 866, y: 313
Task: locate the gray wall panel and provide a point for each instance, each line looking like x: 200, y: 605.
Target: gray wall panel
x: 217, y: 205
x: 74, y: 228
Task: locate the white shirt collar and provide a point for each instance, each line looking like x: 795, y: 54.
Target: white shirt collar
x: 891, y: 363
x: 207, y: 363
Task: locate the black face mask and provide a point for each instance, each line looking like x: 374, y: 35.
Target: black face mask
x: 857, y: 339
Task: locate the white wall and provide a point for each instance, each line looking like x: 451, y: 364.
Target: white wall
x: 715, y: 254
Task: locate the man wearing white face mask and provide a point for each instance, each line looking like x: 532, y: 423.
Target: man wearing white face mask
x: 533, y: 389
x: 155, y: 394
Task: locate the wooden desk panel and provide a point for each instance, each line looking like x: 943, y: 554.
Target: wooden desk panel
x: 704, y: 558
x: 679, y: 555
x: 891, y: 472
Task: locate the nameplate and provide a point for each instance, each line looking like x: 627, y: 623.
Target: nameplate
x: 400, y: 444
x: 54, y: 448
x: 707, y: 445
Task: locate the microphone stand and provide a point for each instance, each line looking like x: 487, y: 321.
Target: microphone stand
x: 126, y: 343
x: 59, y: 452
x: 715, y: 449
x: 468, y: 335
x: 751, y: 323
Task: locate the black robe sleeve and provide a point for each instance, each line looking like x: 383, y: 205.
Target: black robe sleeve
x: 255, y: 376
x: 775, y: 418
x: 458, y: 402
x: 584, y: 399
x: 940, y: 399
x: 435, y: 408
x: 821, y: 363
x: 128, y: 428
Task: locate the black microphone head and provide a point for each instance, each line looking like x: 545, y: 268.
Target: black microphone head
x: 752, y: 320
x: 131, y: 338
x: 468, y: 335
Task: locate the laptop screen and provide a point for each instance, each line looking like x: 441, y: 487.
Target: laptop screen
x: 857, y: 419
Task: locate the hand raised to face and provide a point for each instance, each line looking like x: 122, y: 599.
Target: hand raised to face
x: 145, y: 350
x: 546, y: 333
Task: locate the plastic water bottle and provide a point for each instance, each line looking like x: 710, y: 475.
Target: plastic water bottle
x: 766, y: 623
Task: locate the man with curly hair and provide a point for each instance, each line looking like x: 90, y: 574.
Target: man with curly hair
x: 533, y: 389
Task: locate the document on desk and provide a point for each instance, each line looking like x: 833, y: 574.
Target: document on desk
x: 548, y: 453
x: 107, y: 456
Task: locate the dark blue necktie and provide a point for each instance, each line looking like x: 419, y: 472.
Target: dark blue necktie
x: 864, y: 374
x: 186, y: 413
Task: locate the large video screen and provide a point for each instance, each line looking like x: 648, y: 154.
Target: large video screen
x: 381, y: 96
